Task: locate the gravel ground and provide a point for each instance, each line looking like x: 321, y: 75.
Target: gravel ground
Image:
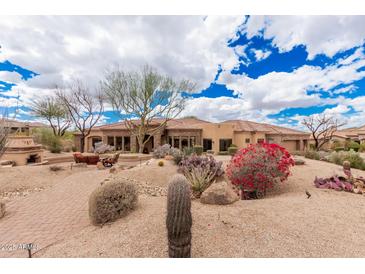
x: 20, y: 181
x: 284, y: 224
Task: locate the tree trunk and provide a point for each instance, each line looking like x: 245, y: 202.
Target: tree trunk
x: 82, y: 144
x: 140, y: 147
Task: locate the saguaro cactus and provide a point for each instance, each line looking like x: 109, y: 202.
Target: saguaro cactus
x: 178, y: 220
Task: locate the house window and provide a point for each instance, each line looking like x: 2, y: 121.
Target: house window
x: 184, y: 142
x: 170, y: 140
x: 224, y: 144
x: 176, y: 142
x: 111, y: 140
x: 260, y: 140
x: 127, y: 143
x: 192, y: 141
x: 95, y: 140
x: 248, y: 140
x: 207, y: 144
x: 119, y: 142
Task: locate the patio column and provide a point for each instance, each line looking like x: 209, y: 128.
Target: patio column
x: 189, y: 145
x: 123, y: 143
x: 301, y: 145
x: 180, y: 142
x: 156, y: 140
x: 115, y: 142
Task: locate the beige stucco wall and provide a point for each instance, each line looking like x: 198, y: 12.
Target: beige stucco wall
x: 216, y: 132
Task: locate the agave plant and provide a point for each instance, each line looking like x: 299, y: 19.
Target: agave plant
x: 200, y: 172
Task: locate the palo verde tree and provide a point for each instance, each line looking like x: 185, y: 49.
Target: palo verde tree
x: 322, y: 128
x: 84, y: 108
x: 143, y: 97
x: 54, y: 111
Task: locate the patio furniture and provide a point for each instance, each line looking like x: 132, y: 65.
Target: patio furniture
x: 88, y: 158
x: 110, y: 161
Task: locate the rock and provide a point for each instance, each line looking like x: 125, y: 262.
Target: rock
x: 113, y: 170
x: 298, y: 161
x: 219, y: 194
x: 100, y: 166
x: 2, y: 210
x: 169, y: 157
x: 7, y: 163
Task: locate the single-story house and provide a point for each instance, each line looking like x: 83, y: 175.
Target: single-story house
x: 187, y: 132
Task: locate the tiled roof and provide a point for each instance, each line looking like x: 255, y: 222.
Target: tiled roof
x: 16, y: 123
x: 242, y: 125
x: 350, y: 132
x: 184, y: 123
x: 194, y: 123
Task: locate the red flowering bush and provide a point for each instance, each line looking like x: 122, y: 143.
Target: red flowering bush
x: 257, y: 167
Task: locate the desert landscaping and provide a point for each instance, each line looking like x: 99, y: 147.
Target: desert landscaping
x: 284, y: 224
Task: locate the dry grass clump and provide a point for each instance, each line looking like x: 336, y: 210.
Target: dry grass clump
x: 2, y: 209
x: 112, y: 201
x: 55, y: 168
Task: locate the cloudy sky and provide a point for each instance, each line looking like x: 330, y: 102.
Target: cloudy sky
x: 275, y: 69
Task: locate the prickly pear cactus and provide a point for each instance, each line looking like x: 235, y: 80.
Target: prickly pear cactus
x: 178, y: 220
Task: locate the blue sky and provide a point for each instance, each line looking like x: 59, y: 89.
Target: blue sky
x: 274, y: 69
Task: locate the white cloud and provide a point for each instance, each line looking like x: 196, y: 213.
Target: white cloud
x: 62, y: 47
x: 261, y: 54
x: 320, y: 34
x: 279, y: 90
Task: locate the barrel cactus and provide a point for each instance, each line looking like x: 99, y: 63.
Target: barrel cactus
x: 178, y: 220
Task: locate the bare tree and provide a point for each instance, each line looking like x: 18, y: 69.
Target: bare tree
x: 84, y: 108
x: 52, y: 109
x: 4, y: 132
x: 143, y: 96
x: 322, y: 128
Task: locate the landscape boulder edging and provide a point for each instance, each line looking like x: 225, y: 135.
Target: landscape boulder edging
x: 220, y: 193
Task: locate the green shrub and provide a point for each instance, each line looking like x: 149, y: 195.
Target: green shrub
x: 356, y: 161
x: 187, y: 151
x: 362, y: 147
x: 337, y: 144
x: 312, y: 154
x: 353, y: 145
x: 298, y: 153
x: 210, y: 151
x: 339, y: 149
x: 112, y: 200
x: 55, y: 145
x: 198, y: 150
x: 223, y: 153
x: 232, y: 150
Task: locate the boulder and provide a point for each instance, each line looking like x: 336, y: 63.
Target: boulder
x: 7, y: 163
x: 113, y: 170
x: 298, y: 161
x: 220, y: 193
x: 100, y: 166
x: 2, y: 209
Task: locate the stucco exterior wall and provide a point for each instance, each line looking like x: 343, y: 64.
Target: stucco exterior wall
x: 216, y: 132
x: 212, y: 131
